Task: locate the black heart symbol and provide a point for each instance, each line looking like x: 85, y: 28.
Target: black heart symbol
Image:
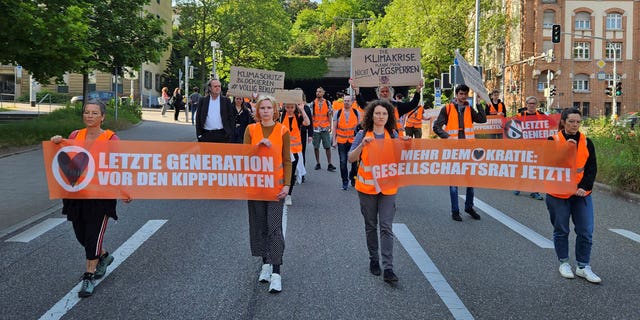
x: 478, y: 154
x: 73, y: 168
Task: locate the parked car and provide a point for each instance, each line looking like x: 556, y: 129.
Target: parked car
x: 105, y: 96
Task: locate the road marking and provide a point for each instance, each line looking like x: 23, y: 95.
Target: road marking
x: 514, y: 225
x: 431, y: 272
x: 36, y: 230
x: 29, y: 221
x: 121, y: 254
x: 627, y: 234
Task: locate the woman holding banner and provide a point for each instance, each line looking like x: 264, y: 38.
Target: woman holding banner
x: 265, y: 217
x: 577, y: 205
x: 376, y: 204
x: 89, y: 217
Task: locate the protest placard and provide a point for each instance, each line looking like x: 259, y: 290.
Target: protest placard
x: 289, y: 96
x: 472, y: 78
x: 245, y: 81
x: 373, y: 67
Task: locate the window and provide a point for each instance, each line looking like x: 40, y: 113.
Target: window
x: 62, y: 88
x: 549, y: 19
x: 582, y: 50
x: 613, y: 48
x: 542, y: 81
x: 581, y: 83
x: 158, y: 82
x: 546, y: 45
x: 576, y: 105
x: 585, y: 109
x: 147, y: 80
x: 549, y: 1
x: 582, y: 21
x: 609, y: 79
x: 614, y: 21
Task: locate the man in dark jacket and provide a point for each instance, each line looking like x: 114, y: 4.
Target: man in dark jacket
x: 215, y: 118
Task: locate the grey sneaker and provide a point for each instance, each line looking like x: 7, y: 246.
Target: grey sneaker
x: 86, y: 289
x: 265, y: 273
x: 105, y: 260
x: 565, y: 270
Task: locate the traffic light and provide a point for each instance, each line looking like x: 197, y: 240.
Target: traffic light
x: 555, y: 33
x: 553, y: 91
x: 619, y: 88
x: 607, y: 91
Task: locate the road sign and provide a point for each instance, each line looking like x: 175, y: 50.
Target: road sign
x: 601, y: 75
x: 601, y: 63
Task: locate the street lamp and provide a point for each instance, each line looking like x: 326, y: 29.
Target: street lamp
x: 353, y: 40
x: 214, y: 45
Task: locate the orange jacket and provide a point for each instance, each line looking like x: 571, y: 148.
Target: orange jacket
x: 346, y: 131
x: 492, y: 109
x: 255, y: 131
x: 452, y: 126
x: 320, y: 115
x: 294, y: 134
x: 581, y: 159
x: 365, y: 182
x: 414, y: 118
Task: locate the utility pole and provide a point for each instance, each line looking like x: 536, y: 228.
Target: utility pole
x: 353, y: 42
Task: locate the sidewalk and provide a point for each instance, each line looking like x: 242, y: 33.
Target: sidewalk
x: 23, y: 186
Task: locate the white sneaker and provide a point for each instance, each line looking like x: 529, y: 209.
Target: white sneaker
x: 287, y: 200
x: 565, y: 270
x: 588, y: 274
x: 265, y: 273
x: 275, y: 284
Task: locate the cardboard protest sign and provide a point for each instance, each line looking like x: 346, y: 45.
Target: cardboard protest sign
x: 492, y: 126
x: 540, y: 126
x: 245, y: 81
x: 537, y: 166
x: 472, y: 78
x: 289, y: 96
x: 379, y: 66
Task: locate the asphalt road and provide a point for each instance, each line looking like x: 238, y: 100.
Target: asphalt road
x: 190, y: 259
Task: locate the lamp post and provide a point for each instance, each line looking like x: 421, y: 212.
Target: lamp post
x: 353, y: 40
x: 214, y: 45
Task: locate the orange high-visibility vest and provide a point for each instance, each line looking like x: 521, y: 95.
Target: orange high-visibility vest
x: 320, y: 117
x: 356, y: 106
x: 414, y: 119
x: 581, y: 159
x: 399, y: 124
x: 346, y: 131
x: 452, y: 126
x: 294, y: 134
x: 337, y: 105
x: 365, y: 182
x: 255, y: 131
x: 493, y: 110
x: 104, y: 136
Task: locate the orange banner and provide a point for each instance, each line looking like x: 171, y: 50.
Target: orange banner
x: 492, y: 126
x: 539, y: 165
x: 159, y: 170
x: 539, y: 126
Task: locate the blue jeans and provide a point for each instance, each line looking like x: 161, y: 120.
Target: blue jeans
x: 343, y: 150
x: 468, y: 202
x: 580, y: 210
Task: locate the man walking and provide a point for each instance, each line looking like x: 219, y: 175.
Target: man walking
x: 343, y: 130
x: 215, y: 118
x: 322, y: 112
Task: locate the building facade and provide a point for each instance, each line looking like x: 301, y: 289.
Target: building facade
x: 144, y: 88
x: 594, y: 33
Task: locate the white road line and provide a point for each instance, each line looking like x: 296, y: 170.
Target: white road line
x: 514, y: 225
x: 431, y: 272
x: 627, y: 234
x: 121, y: 254
x: 36, y: 230
x: 29, y: 221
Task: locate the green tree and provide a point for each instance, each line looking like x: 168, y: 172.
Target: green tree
x: 294, y: 7
x: 46, y: 37
x: 251, y: 33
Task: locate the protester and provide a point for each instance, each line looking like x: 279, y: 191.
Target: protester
x: 459, y: 127
x: 216, y: 118
x: 194, y: 99
x: 265, y: 217
x: 178, y: 104
x: 165, y: 100
x: 322, y: 112
x: 294, y: 118
x: 385, y: 93
x: 343, y: 130
x: 243, y: 119
x: 576, y: 205
x: 306, y: 134
x: 413, y: 122
x: 89, y: 217
x: 495, y: 106
x: 376, y: 205
x: 531, y: 111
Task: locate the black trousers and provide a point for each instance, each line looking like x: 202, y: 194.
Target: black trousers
x: 214, y: 136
